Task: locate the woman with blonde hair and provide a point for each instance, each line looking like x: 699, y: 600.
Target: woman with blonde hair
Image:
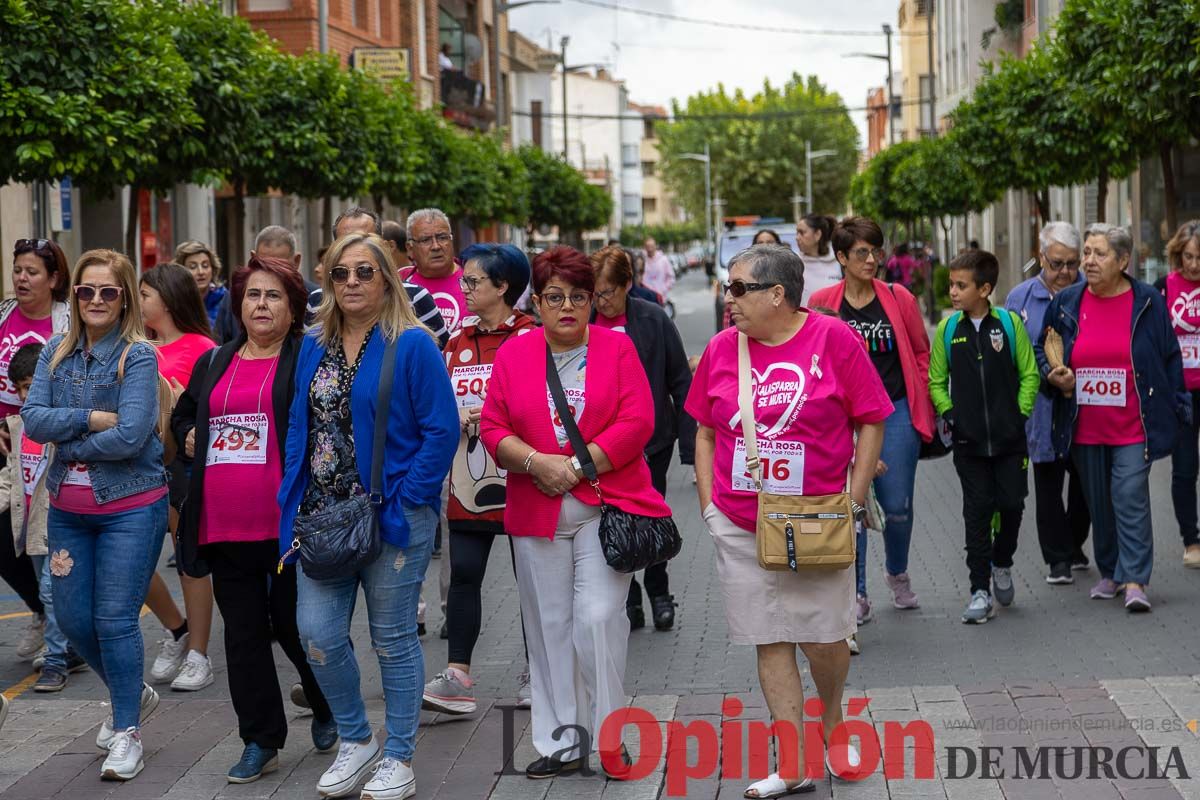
x: 205, y: 267
x: 95, y: 395
x: 364, y: 319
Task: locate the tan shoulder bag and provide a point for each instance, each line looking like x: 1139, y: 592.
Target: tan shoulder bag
x: 793, y: 532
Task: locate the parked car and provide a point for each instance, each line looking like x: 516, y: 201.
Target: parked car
x: 731, y: 242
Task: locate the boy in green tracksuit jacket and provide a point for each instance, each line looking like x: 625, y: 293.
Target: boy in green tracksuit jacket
x: 983, y: 379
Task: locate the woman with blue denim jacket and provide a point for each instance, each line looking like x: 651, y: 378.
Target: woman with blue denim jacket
x: 95, y: 396
x: 329, y: 450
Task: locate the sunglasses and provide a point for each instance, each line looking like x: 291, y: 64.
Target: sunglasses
x: 364, y: 272
x: 861, y: 253
x: 739, y: 288
x: 25, y: 245
x: 108, y: 294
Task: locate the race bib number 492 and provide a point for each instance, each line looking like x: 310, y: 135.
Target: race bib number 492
x: 782, y: 466
x: 237, y: 439
x: 1101, y: 387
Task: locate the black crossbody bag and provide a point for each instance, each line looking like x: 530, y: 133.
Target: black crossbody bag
x: 630, y: 542
x: 344, y: 538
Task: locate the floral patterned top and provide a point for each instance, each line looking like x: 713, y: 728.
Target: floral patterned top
x: 331, y: 459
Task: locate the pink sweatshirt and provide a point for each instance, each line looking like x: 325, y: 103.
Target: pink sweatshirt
x: 619, y: 418
x: 902, y: 310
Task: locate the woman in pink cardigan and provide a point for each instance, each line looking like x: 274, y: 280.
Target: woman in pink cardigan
x: 887, y: 318
x: 572, y: 602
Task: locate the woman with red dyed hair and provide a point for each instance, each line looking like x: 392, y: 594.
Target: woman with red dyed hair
x: 572, y: 602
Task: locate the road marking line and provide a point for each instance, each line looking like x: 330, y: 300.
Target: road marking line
x: 16, y: 614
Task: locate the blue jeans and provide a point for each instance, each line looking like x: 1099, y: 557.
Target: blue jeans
x: 100, y: 567
x: 1185, y: 469
x: 1116, y: 482
x: 894, y: 490
x: 392, y: 584
x: 56, y: 641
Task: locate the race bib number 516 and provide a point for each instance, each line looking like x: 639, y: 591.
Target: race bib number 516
x: 1101, y: 387
x: 782, y: 467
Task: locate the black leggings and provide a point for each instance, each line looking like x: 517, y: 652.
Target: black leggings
x: 464, y: 602
x: 17, y: 571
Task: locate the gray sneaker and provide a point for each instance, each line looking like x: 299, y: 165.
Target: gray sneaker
x: 980, y: 609
x: 1002, y: 585
x: 524, y: 690
x: 447, y: 694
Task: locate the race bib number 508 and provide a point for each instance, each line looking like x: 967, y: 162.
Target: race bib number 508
x: 782, y: 467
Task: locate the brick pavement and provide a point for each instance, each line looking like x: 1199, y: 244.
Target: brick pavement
x: 1054, y: 668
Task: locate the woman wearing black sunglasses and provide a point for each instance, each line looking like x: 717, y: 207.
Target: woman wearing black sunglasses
x: 38, y: 308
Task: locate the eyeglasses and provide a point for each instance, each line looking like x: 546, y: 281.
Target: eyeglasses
x: 25, y: 245
x: 87, y: 294
x: 469, y: 284
x: 739, y: 288
x: 364, y: 272
x: 862, y: 252
x: 579, y: 297
x: 441, y: 238
x: 1059, y: 266
x: 606, y: 295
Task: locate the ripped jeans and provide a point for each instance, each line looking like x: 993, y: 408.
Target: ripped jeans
x: 324, y: 609
x: 894, y: 490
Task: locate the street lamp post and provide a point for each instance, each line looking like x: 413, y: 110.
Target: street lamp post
x: 891, y: 96
x: 708, y: 200
x: 810, y: 156
x: 499, y: 8
x: 563, y: 44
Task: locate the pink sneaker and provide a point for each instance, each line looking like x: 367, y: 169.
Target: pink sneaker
x: 863, y: 609
x: 902, y: 594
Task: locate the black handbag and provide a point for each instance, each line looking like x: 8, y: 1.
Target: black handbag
x: 344, y: 538
x: 630, y: 542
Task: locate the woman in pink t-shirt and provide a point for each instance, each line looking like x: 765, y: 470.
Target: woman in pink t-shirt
x: 231, y: 423
x: 1181, y: 288
x: 176, y: 321
x: 814, y: 387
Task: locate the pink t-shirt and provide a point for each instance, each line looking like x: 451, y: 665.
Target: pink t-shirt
x: 1183, y: 303
x: 16, y: 332
x: 77, y: 497
x: 616, y: 323
x: 447, y: 294
x: 177, y: 359
x: 1110, y: 411
x: 809, y: 393
x: 243, y: 451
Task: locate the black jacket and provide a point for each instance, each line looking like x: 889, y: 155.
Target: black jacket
x: 985, y: 386
x: 666, y: 364
x: 192, y: 412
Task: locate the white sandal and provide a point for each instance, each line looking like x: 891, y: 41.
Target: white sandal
x: 853, y: 761
x: 774, y: 786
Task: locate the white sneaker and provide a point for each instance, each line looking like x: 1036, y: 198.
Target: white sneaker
x: 149, y: 703
x: 39, y: 660
x: 34, y: 637
x: 524, y: 691
x: 4, y: 702
x: 853, y: 762
x: 195, y: 674
x: 853, y: 643
x: 169, y: 659
x: 392, y: 781
x: 352, y: 764
x: 124, y: 760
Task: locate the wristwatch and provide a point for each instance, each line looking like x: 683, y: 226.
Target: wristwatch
x: 860, y: 512
x: 575, y: 465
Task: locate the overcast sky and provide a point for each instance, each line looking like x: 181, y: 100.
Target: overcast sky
x: 661, y: 60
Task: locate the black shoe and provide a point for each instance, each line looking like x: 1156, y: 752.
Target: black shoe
x: 444, y: 633
x: 52, y: 679
x: 551, y: 767
x: 75, y: 662
x: 662, y: 608
x: 1079, y: 561
x: 1060, y: 573
x: 637, y: 617
x: 420, y: 629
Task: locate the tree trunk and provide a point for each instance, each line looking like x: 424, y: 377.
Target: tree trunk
x: 131, y: 225
x: 237, y: 246
x: 930, y: 297
x: 378, y: 204
x: 1102, y: 195
x: 1043, y: 205
x: 327, y: 215
x: 1170, y: 200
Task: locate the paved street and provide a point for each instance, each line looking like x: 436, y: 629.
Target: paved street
x: 1054, y: 670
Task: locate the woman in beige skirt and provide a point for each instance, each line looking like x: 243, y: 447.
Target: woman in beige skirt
x: 813, y: 388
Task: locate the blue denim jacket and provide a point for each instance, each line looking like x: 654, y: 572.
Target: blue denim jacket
x: 121, y: 461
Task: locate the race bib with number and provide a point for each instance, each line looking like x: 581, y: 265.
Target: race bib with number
x: 576, y: 400
x: 32, y: 467
x: 782, y: 467
x: 471, y: 384
x: 1189, y: 345
x: 237, y: 439
x: 1100, y: 387
x: 77, y: 474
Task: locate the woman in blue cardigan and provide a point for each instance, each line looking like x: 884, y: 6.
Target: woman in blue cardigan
x: 329, y: 448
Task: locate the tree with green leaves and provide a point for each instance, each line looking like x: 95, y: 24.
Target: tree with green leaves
x: 758, y: 161
x: 559, y: 196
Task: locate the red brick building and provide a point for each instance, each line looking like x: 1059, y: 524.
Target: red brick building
x: 877, y: 121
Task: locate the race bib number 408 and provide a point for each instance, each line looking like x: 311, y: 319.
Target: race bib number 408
x: 237, y: 439
x: 471, y: 384
x: 1101, y: 387
x: 782, y: 467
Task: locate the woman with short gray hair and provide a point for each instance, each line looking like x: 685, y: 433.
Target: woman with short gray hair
x: 1114, y: 366
x: 813, y: 387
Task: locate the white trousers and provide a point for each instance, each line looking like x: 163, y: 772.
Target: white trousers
x: 576, y: 629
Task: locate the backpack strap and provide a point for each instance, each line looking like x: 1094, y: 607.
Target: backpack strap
x: 948, y: 333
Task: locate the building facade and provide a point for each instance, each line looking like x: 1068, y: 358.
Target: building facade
x: 915, y: 76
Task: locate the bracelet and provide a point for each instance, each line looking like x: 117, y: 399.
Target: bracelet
x: 528, y: 460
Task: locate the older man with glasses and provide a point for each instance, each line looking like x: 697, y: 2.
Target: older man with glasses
x: 1062, y: 529
x: 431, y: 248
